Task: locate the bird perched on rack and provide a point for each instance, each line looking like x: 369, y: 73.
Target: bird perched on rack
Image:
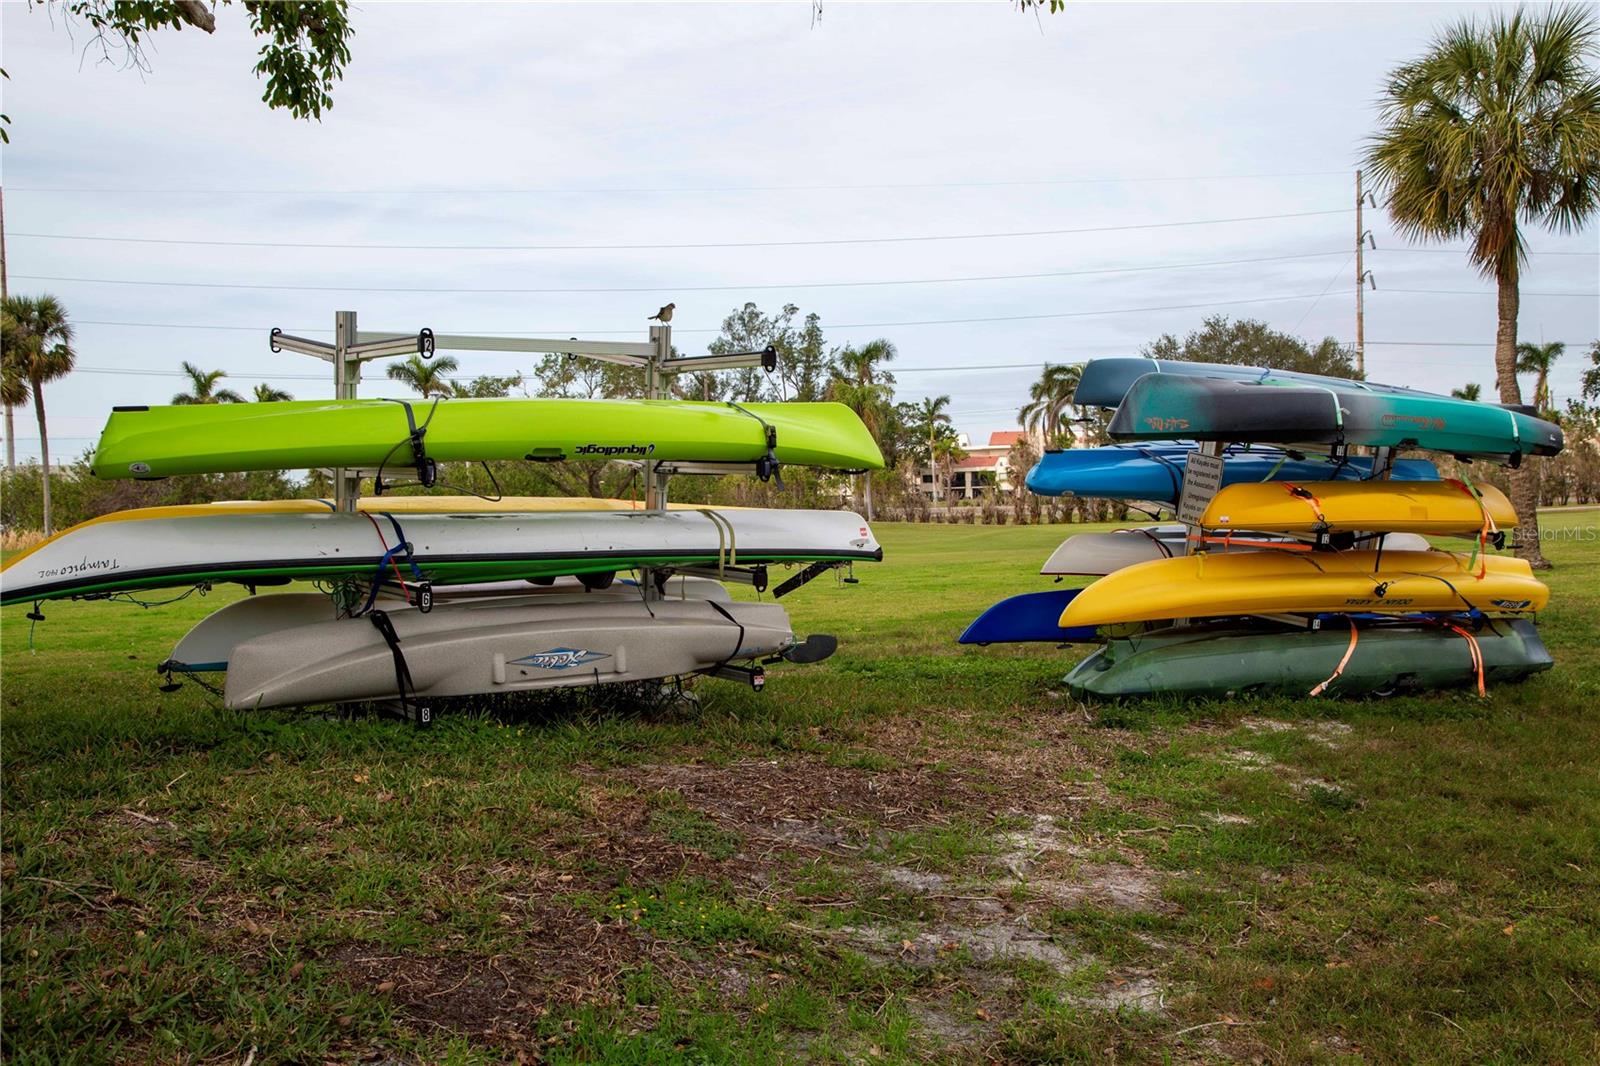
x: 663, y: 315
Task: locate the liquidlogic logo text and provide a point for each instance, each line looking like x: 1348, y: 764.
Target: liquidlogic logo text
x: 609, y: 451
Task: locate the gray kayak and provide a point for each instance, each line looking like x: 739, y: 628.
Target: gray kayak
x: 497, y: 646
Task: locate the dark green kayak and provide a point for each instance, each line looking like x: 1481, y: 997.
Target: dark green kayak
x: 1236, y: 658
x: 1278, y: 410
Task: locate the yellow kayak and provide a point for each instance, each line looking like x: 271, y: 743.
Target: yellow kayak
x: 1442, y: 508
x: 1274, y: 582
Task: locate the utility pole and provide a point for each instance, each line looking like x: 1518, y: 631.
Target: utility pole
x: 11, y: 444
x: 1363, y: 276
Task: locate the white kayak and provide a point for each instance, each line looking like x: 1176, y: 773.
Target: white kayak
x: 1098, y: 554
x: 131, y: 552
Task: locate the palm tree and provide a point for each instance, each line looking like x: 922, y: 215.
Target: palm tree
x: 1496, y: 126
x: 1470, y: 391
x: 860, y: 385
x: 930, y: 416
x: 203, y: 387
x: 426, y: 376
x: 1048, y: 400
x: 13, y: 387
x: 947, y: 452
x: 38, y: 341
x: 1537, y: 359
x: 265, y: 393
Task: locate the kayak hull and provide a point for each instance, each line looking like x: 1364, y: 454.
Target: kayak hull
x: 1154, y: 471
x: 499, y: 647
x: 1235, y: 659
x: 1098, y: 554
x: 120, y: 555
x: 1272, y: 410
x: 1276, y: 582
x: 1107, y: 382
x: 1441, y: 508
x: 1033, y: 617
x: 155, y: 442
x: 208, y: 646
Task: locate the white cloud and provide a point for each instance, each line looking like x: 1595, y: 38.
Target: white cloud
x: 563, y: 102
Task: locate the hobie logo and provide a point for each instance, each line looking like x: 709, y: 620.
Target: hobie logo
x: 609, y: 450
x: 138, y: 468
x: 559, y: 658
x: 1163, y: 425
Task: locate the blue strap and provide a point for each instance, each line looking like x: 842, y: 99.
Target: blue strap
x: 401, y: 542
x: 377, y: 578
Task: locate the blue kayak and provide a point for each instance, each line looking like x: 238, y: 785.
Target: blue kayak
x: 1034, y: 617
x: 1154, y: 471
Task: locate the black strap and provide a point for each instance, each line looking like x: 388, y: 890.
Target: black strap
x: 715, y: 606
x: 767, y: 465
x: 402, y: 672
x: 427, y: 469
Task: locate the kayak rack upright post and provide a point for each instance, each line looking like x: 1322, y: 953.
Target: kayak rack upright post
x: 353, y: 346
x: 347, y: 352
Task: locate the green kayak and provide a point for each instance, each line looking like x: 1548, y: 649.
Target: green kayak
x: 1235, y: 658
x: 154, y: 442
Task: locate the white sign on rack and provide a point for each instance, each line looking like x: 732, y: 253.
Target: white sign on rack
x: 1202, y: 478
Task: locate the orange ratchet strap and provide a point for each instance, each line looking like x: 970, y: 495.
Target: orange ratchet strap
x: 1351, y: 650
x: 1311, y: 500
x: 1475, y: 651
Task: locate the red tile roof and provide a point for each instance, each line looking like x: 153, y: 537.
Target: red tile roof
x: 978, y: 462
x: 1005, y: 437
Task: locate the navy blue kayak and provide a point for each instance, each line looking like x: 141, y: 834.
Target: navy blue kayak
x: 1034, y: 617
x: 1154, y: 471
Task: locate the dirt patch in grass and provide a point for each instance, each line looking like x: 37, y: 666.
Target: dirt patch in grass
x: 566, y: 958
x: 761, y: 794
x: 952, y: 945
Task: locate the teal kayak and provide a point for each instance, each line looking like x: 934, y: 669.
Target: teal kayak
x: 1105, y: 382
x: 1237, y: 658
x: 1280, y: 411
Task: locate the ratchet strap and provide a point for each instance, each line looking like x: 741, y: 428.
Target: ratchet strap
x: 1474, y: 650
x: 402, y: 672
x: 1344, y: 662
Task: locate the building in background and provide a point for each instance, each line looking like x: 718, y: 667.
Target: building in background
x: 984, y: 470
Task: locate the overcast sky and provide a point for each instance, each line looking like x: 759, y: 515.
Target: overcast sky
x: 595, y: 125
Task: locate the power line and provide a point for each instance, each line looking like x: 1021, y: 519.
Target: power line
x: 738, y: 288
x: 1465, y: 251
x: 836, y: 325
x: 677, y: 247
x: 1100, y: 351
x: 682, y: 288
x: 613, y: 190
x: 1483, y: 292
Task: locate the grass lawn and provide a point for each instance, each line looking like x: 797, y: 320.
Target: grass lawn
x: 913, y: 852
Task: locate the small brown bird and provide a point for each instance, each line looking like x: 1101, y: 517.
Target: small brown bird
x: 663, y: 315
